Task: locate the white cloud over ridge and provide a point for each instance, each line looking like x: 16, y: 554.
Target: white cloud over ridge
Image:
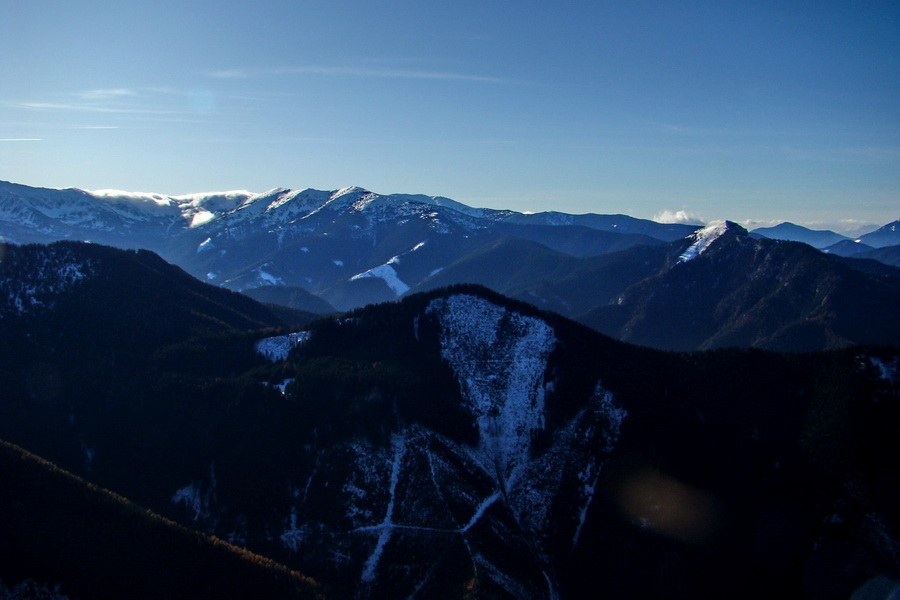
x: 678, y: 216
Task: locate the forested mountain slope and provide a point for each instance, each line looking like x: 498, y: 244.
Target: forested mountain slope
x: 458, y: 442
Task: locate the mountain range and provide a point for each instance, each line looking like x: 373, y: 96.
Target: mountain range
x: 887, y: 235
x: 882, y: 245
x: 455, y: 443
x: 324, y: 252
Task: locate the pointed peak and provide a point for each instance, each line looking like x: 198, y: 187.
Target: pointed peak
x: 704, y: 237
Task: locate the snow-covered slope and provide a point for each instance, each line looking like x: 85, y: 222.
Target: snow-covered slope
x: 703, y: 238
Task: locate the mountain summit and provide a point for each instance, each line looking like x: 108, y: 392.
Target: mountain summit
x: 725, y: 288
x: 705, y: 237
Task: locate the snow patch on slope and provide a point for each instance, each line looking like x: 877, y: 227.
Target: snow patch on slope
x: 499, y: 358
x: 190, y: 497
x: 50, y: 271
x: 388, y: 274
x: 201, y: 218
x: 278, y: 347
x: 887, y: 371
x: 703, y: 238
x: 268, y: 278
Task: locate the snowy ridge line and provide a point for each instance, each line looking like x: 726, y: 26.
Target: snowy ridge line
x: 197, y: 208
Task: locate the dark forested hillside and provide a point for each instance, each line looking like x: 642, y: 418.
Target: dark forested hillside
x: 94, y: 544
x: 459, y: 443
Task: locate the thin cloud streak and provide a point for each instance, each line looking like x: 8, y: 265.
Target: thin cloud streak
x: 21, y: 139
x: 330, y: 71
x: 107, y: 94
x: 124, y: 102
x: 90, y: 108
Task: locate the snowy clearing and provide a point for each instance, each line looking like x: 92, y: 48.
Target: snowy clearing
x: 278, y: 347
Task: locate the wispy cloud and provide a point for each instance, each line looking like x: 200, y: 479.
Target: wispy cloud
x: 107, y: 94
x: 72, y: 106
x: 751, y: 224
x: 355, y: 71
x: 681, y: 216
x: 21, y: 140
x: 120, y: 103
x: 233, y: 74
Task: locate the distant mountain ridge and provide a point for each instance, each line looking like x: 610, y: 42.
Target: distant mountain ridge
x: 741, y: 291
x: 335, y: 251
x: 313, y: 239
x: 717, y: 287
x: 888, y: 235
x: 797, y: 233
x: 31, y: 212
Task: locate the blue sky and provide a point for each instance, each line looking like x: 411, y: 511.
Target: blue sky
x: 763, y: 111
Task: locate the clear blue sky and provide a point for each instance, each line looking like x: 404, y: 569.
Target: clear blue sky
x: 742, y: 110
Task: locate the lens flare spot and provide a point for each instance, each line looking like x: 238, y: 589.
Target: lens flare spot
x: 669, y: 507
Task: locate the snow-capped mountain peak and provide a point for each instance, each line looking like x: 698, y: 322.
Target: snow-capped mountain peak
x: 703, y: 238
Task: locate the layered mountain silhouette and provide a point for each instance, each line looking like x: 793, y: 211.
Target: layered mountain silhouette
x: 797, y: 233
x: 741, y: 291
x: 333, y: 251
x: 453, y: 443
x: 737, y: 291
x: 888, y: 235
x: 310, y: 239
